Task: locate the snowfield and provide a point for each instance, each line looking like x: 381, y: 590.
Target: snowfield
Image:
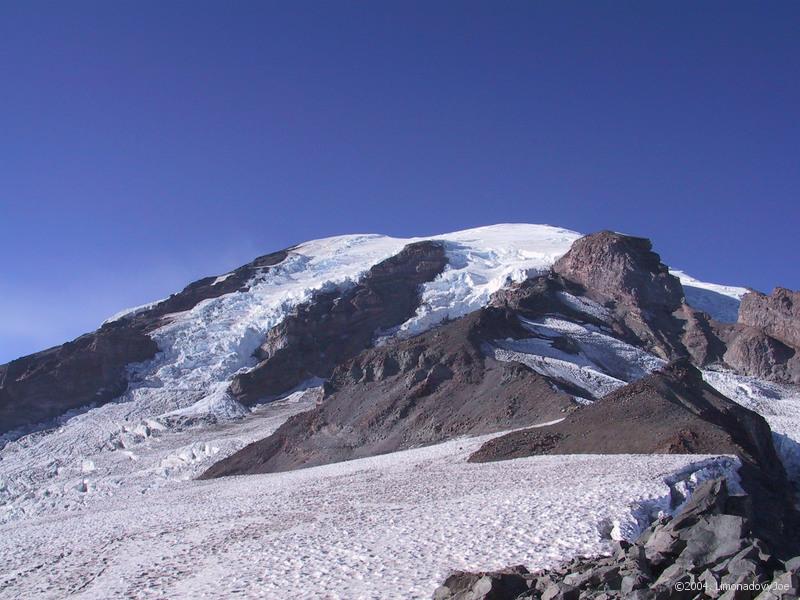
x: 385, y: 527
x: 602, y: 365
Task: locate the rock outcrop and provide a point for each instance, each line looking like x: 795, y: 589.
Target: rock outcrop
x: 752, y: 352
x: 645, y: 301
x: 777, y: 315
x: 89, y: 370
x: 709, y: 549
x: 766, y: 341
x: 617, y: 268
x: 335, y: 326
x: 433, y: 387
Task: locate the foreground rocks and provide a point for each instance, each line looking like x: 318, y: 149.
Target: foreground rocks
x: 709, y: 549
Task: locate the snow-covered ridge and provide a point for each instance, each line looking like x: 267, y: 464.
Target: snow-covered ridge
x: 202, y: 349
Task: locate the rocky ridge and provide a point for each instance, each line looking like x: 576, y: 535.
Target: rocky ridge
x: 429, y: 388
x: 765, y: 342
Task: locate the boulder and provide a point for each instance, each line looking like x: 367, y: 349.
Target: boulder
x: 496, y: 585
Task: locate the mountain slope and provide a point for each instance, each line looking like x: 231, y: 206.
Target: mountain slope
x: 345, y: 348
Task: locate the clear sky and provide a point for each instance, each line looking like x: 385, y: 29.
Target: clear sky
x: 146, y: 144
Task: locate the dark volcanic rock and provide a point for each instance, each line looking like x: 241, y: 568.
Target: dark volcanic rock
x: 778, y: 314
x: 429, y: 388
x: 766, y: 341
x: 90, y: 370
x: 703, y: 337
x: 752, y: 352
x: 710, y: 543
x: 625, y: 275
x: 622, y: 269
x: 494, y: 585
x: 335, y: 326
x: 672, y: 411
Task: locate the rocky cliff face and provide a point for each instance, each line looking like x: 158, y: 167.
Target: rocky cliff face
x: 766, y: 341
x: 89, y: 370
x: 777, y: 314
x: 617, y: 268
x: 625, y: 275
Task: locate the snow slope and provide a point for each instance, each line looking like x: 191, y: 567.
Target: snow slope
x: 719, y: 301
x: 386, y: 527
x: 603, y: 363
x: 778, y: 404
x: 483, y: 260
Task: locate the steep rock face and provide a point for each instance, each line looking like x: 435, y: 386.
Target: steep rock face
x: 92, y: 368
x: 669, y: 328
x: 337, y: 325
x: 624, y: 274
x: 622, y: 269
x: 87, y: 370
x: 433, y: 387
x: 777, y: 314
x: 702, y: 336
x: 752, y: 352
x: 766, y: 341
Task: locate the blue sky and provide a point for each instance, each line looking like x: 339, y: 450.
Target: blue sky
x: 146, y: 144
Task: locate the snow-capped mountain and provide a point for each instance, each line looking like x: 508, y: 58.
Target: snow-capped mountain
x: 403, y: 357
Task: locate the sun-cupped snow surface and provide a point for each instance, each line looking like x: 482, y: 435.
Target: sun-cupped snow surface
x: 721, y: 302
x: 391, y: 526
x: 100, y: 454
